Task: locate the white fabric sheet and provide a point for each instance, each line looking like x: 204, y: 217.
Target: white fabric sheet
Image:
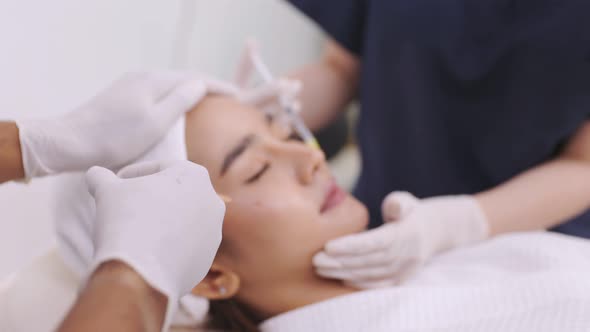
x: 522, y: 282
x: 37, y: 298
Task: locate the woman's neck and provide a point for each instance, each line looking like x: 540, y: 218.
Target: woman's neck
x: 269, y: 300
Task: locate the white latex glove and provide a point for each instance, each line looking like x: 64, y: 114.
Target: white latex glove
x: 75, y: 209
x: 75, y: 212
x: 164, y: 221
x: 113, y: 128
x: 415, y: 230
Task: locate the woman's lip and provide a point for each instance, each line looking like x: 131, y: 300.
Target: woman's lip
x: 334, y: 196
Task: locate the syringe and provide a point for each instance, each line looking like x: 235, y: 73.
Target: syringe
x: 298, y: 125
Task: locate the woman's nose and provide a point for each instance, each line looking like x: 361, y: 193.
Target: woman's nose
x: 308, y: 161
x: 303, y: 159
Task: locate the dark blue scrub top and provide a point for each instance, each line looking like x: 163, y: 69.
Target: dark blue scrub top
x: 459, y: 96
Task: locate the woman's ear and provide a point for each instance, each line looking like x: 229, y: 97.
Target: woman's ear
x: 220, y: 283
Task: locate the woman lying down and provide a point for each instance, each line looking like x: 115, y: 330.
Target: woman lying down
x: 285, y: 206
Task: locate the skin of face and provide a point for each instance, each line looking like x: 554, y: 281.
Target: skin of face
x: 274, y: 223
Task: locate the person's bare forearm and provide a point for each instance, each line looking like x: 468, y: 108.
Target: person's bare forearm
x: 544, y: 196
x: 329, y: 85
x: 116, y: 298
x: 540, y: 198
x: 11, y: 162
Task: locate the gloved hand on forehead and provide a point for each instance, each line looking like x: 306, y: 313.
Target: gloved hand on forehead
x: 415, y: 230
x: 162, y: 219
x: 115, y: 127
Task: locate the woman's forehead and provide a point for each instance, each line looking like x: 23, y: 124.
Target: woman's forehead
x: 216, y: 125
x: 222, y: 113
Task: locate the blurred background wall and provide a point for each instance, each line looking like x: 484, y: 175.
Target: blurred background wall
x: 56, y: 54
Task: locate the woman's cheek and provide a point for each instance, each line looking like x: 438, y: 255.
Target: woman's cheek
x: 257, y: 211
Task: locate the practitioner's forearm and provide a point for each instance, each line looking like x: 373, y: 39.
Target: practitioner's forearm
x: 11, y: 162
x: 540, y: 198
x: 544, y: 196
x: 116, y: 298
x: 329, y: 85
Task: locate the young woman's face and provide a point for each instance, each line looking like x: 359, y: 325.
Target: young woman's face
x: 285, y: 205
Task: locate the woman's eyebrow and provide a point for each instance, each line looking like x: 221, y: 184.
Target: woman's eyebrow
x: 237, y: 151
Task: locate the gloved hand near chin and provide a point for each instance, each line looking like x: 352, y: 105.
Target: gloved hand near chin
x: 162, y: 219
x: 114, y: 128
x: 415, y: 230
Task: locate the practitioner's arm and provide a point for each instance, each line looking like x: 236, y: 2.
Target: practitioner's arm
x: 540, y: 198
x: 116, y: 298
x: 544, y: 196
x: 329, y: 85
x: 11, y: 164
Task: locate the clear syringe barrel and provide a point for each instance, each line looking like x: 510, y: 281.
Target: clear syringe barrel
x: 298, y: 124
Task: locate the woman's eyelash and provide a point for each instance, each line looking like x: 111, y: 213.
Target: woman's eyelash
x: 293, y: 137
x: 258, y: 174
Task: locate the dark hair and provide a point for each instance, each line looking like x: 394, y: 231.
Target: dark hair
x: 231, y: 316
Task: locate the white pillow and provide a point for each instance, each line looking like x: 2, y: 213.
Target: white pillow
x: 38, y: 296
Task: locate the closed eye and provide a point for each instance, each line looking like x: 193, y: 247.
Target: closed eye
x: 258, y: 174
x: 294, y: 137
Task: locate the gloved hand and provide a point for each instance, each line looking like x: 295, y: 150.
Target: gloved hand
x: 415, y: 230
x: 115, y: 127
x: 75, y: 208
x: 164, y: 221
